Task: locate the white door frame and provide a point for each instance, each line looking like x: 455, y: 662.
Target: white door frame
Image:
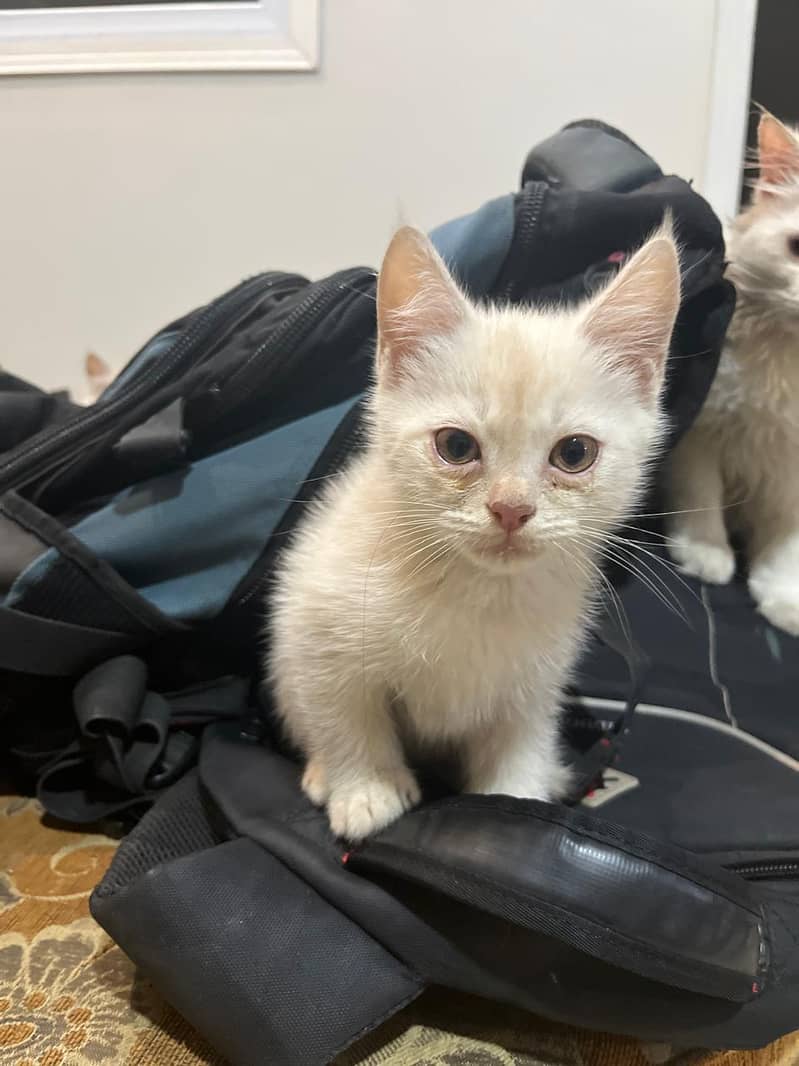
x: 730, y: 86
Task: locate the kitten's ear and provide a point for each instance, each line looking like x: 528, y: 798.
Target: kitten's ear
x: 778, y: 153
x: 96, y: 367
x: 632, y: 320
x: 416, y: 300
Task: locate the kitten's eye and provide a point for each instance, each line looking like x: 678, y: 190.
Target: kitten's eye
x: 575, y: 454
x: 456, y: 446
x: 793, y: 246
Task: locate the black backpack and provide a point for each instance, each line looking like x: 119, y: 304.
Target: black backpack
x: 138, y: 542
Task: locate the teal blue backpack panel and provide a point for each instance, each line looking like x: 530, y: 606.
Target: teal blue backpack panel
x: 185, y: 539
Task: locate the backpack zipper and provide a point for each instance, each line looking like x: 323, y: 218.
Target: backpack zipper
x: 34, y: 456
x: 787, y: 870
x: 513, y: 271
x: 283, y: 342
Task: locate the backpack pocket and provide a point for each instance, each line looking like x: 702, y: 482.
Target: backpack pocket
x: 64, y: 608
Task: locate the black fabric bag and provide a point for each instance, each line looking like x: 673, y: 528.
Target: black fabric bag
x: 665, y: 906
x: 138, y: 539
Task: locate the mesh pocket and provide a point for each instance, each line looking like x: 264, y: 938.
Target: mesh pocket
x: 178, y: 825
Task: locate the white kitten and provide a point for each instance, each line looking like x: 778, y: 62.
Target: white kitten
x: 738, y: 467
x: 436, y: 596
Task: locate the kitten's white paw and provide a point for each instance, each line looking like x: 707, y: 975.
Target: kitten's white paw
x: 712, y: 563
x: 361, y: 809
x: 314, y: 783
x: 782, y: 611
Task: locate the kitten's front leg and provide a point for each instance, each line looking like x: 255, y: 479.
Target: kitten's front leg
x: 356, y: 765
x: 774, y: 576
x: 698, y: 534
x: 518, y: 756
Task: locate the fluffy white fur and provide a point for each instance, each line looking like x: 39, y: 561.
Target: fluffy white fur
x: 735, y: 471
x: 405, y: 620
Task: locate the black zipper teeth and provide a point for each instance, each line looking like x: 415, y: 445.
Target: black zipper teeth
x: 18, y: 470
x: 232, y: 323
x: 278, y: 283
x: 285, y: 337
x: 529, y: 220
x: 765, y: 870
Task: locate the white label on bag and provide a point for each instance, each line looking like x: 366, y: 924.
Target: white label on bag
x: 614, y: 784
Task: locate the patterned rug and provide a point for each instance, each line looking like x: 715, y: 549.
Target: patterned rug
x: 70, y: 997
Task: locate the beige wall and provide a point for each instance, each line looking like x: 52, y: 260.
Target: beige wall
x: 128, y: 199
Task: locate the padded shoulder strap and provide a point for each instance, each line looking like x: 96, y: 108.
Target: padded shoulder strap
x: 590, y: 156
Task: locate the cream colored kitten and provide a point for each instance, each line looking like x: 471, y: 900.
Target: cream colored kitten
x: 436, y: 597
x: 738, y: 468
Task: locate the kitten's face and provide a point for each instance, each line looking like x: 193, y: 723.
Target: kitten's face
x: 509, y: 433
x: 763, y: 242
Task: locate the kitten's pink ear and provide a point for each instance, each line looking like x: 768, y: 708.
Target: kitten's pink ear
x: 96, y: 367
x: 632, y: 320
x: 778, y: 152
x: 417, y: 300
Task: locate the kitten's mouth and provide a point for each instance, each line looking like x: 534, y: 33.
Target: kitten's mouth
x: 511, y: 548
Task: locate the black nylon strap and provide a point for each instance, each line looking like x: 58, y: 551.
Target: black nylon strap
x: 133, y: 742
x: 33, y: 645
x: 160, y: 443
x: 587, y: 769
x: 619, y: 640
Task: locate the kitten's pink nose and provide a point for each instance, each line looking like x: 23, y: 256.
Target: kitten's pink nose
x: 511, y: 516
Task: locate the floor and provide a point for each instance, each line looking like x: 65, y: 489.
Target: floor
x: 70, y: 997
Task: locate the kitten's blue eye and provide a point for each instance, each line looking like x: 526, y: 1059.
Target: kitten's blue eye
x: 574, y: 454
x: 456, y: 446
